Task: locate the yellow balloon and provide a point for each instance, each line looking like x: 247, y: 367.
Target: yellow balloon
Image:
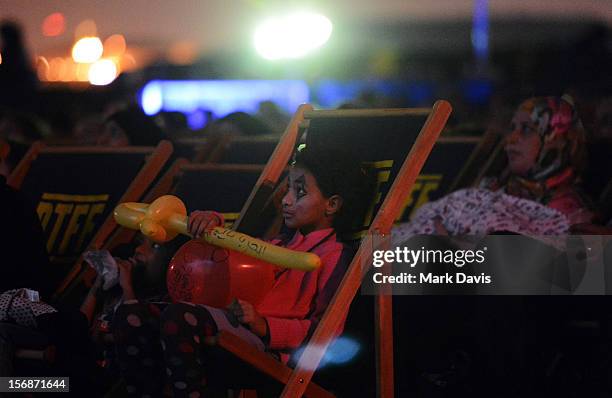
x: 166, y: 217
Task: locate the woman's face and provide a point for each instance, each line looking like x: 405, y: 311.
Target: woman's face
x: 522, y: 145
x: 304, y: 206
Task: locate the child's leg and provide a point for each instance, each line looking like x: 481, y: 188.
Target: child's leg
x: 184, y: 328
x: 139, y: 353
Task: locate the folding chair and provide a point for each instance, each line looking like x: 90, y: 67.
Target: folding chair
x: 396, y: 142
x: 495, y: 164
x: 446, y: 163
x: 196, y: 150
x: 469, y: 172
x: 75, y: 189
x: 244, y: 150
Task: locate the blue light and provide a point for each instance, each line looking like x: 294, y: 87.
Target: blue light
x: 197, y: 119
x: 342, y: 350
x: 332, y: 93
x: 222, y: 96
x: 480, y: 29
x: 151, y: 98
x: 477, y: 92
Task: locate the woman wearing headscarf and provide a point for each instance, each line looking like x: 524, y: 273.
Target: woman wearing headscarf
x: 546, y: 154
x: 537, y: 194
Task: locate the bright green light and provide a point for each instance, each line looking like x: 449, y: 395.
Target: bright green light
x: 292, y: 36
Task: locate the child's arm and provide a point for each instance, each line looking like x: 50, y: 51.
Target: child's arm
x: 89, y: 304
x: 246, y: 314
x: 290, y: 333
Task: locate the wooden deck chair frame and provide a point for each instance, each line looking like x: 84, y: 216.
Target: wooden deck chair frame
x: 216, y: 153
x: 156, y: 158
x: 466, y: 172
x: 494, y: 164
x: 203, y: 147
x: 298, y: 381
x: 469, y: 172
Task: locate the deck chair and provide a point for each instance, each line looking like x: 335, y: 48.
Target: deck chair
x: 396, y: 143
x: 75, y: 189
x: 447, y: 160
x: 244, y: 150
x: 495, y: 163
x: 469, y: 172
x: 197, y: 149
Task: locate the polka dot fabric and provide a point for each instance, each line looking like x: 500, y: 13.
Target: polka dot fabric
x: 161, y: 346
x: 140, y: 356
x: 183, y: 351
x: 16, y: 307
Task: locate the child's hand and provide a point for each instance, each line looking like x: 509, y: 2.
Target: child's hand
x: 202, y: 221
x: 246, y: 314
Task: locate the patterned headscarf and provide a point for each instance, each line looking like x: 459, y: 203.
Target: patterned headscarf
x: 562, y: 148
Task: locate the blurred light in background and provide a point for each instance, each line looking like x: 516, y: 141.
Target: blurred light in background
x: 0, y: 58
x: 54, y: 25
x: 330, y: 93
x: 197, y: 119
x: 67, y: 71
x: 86, y: 28
x: 480, y: 30
x: 342, y: 350
x: 102, y: 72
x: 477, y: 92
x: 292, y: 36
x: 183, y: 53
x: 87, y: 50
x: 82, y: 72
x: 128, y: 62
x: 56, y: 66
x: 114, y: 46
x: 151, y: 98
x: 221, y: 96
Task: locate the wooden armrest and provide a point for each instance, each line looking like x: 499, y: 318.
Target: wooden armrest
x: 262, y: 361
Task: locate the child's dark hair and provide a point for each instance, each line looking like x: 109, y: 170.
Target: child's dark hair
x: 338, y: 172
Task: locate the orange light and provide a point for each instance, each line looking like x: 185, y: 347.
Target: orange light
x: 87, y: 50
x: 86, y: 28
x: 55, y: 69
x: 82, y: 72
x: 128, y: 62
x: 0, y: 58
x: 54, y: 25
x: 183, y: 53
x: 114, y: 46
x: 42, y: 68
x: 102, y: 72
x: 68, y: 70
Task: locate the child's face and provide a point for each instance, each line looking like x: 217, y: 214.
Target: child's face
x: 304, y: 206
x: 145, y: 253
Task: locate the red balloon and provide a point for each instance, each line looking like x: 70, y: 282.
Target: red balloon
x: 201, y: 273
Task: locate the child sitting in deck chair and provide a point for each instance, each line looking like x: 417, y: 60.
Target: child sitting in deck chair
x: 326, y: 193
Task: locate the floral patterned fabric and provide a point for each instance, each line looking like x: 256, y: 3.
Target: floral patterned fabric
x: 480, y: 212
